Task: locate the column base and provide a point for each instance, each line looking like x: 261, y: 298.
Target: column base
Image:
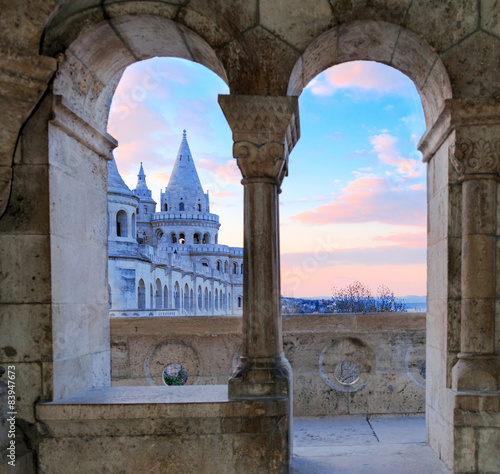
x: 476, y: 373
x: 261, y: 377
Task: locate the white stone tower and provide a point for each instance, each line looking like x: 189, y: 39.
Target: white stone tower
x: 185, y: 216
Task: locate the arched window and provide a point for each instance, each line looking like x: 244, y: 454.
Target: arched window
x: 216, y: 300
x: 229, y: 302
x: 186, y: 298
x: 151, y: 296
x: 182, y: 238
x: 216, y: 238
x: 235, y: 268
x: 199, y: 207
x: 133, y: 225
x: 141, y: 295
x: 206, y: 299
x: 145, y: 209
x: 196, y: 238
x: 191, y: 301
x: 121, y: 224
x: 181, y: 206
x: 173, y: 238
x: 177, y: 296
x: 165, y: 207
x: 240, y: 301
x: 219, y: 265
x: 226, y: 266
x: 206, y: 238
x: 165, y: 296
x: 158, y: 295
x: 200, y: 302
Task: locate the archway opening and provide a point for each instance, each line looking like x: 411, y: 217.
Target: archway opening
x: 353, y: 208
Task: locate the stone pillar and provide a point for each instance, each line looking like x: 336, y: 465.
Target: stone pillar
x: 477, y: 161
x: 265, y: 129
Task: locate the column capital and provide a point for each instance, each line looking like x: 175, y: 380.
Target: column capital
x: 470, y: 119
x: 475, y: 158
x: 265, y: 130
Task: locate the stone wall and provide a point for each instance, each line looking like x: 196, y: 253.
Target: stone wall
x: 387, y: 349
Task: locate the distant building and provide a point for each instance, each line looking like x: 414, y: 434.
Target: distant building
x: 169, y: 263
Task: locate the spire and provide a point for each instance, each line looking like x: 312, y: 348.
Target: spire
x: 141, y: 179
x: 141, y: 190
x: 184, y: 180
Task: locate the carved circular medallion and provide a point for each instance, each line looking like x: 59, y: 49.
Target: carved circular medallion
x: 168, y: 353
x: 346, y: 364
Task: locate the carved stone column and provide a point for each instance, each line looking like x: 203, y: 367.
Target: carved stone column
x: 477, y: 161
x: 265, y: 129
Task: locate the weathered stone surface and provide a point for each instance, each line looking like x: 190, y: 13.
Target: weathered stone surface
x: 448, y: 24
x: 303, y: 22
x: 472, y: 78
x: 385, y: 10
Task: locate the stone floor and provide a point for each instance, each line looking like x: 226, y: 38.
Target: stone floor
x: 381, y: 444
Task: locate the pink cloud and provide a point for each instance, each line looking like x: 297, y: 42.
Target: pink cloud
x: 406, y: 239
x: 223, y: 194
x: 386, y: 147
x: 370, y: 199
x: 229, y: 172
x: 368, y: 76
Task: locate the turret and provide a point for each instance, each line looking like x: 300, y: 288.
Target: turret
x: 184, y: 192
x: 145, y: 209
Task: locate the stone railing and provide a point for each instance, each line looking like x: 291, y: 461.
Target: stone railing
x: 142, y: 313
x: 190, y: 216
x: 342, y: 363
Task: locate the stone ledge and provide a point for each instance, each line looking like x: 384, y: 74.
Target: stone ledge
x: 132, y: 403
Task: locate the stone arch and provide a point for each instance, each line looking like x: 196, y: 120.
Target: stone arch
x: 206, y: 238
x: 382, y: 42
x: 158, y: 294
x: 216, y: 300
x: 165, y: 296
x: 121, y: 223
x: 141, y: 295
x: 186, y: 298
x: 104, y: 48
x: 177, y: 296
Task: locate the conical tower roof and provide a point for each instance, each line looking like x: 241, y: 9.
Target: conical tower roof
x: 184, y: 178
x: 115, y: 181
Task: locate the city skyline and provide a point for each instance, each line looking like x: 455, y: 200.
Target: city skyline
x: 353, y: 206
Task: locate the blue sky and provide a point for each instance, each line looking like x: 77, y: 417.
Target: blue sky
x: 353, y: 206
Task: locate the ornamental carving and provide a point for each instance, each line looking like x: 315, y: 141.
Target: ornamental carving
x: 253, y: 160
x: 476, y: 157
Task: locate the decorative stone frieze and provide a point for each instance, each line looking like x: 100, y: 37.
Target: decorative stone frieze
x: 481, y: 157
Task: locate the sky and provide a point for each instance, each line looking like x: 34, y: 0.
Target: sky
x: 354, y: 204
